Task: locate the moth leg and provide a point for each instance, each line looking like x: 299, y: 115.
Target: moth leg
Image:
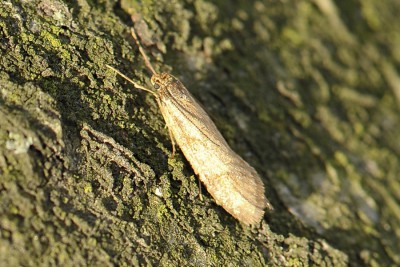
x: 171, y: 136
x: 172, y: 141
x: 200, y: 195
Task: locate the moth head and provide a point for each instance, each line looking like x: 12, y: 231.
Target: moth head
x: 161, y: 80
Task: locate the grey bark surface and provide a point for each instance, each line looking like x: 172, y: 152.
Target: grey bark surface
x: 308, y: 92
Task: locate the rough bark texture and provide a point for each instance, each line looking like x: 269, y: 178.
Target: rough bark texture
x: 307, y: 92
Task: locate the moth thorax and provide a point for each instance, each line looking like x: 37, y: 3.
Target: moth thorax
x: 161, y: 79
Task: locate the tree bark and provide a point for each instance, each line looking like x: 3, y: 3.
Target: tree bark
x: 307, y: 92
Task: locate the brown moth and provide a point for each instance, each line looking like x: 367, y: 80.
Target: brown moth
x: 232, y: 182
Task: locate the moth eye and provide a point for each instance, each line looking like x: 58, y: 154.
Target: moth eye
x: 156, y: 86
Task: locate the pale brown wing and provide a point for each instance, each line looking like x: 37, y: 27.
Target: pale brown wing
x: 183, y: 100
x: 233, y: 183
x: 247, y: 181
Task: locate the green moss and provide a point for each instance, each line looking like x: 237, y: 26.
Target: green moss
x: 50, y: 39
x: 88, y: 188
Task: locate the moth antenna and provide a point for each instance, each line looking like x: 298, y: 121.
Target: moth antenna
x: 131, y: 81
x: 141, y: 50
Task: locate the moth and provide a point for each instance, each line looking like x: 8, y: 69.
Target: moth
x: 230, y: 180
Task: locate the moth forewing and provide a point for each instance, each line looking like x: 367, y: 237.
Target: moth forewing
x: 233, y: 183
